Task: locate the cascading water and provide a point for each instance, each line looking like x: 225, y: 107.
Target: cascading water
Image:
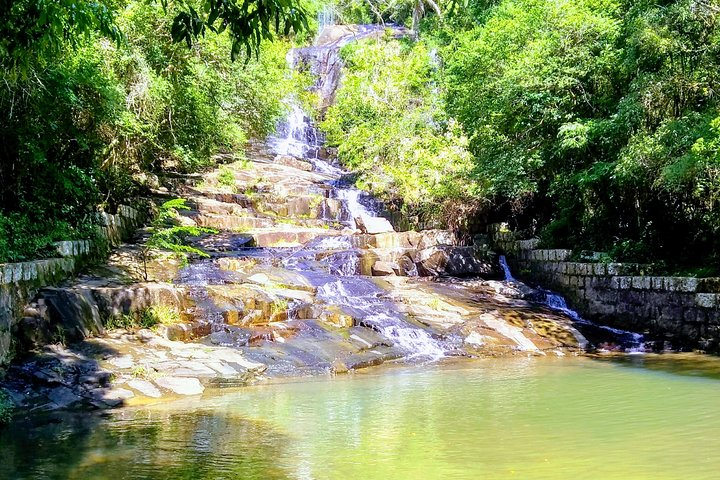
x: 357, y: 296
x: 415, y: 341
x: 506, y: 269
x: 363, y: 299
x: 296, y: 135
x: 351, y: 199
x: 634, y: 342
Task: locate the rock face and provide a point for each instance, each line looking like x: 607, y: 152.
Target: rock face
x: 381, y: 269
x: 290, y: 161
x: 323, y: 60
x: 181, y: 386
x: 373, y: 225
x: 455, y: 261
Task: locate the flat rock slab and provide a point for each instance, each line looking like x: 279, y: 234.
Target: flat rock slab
x: 63, y: 397
x: 181, y: 385
x: 145, y: 387
x: 113, y: 397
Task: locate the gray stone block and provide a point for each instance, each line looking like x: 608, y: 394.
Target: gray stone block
x: 707, y: 300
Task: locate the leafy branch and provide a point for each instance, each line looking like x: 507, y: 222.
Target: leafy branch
x: 248, y: 21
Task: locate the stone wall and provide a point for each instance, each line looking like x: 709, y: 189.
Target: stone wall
x: 19, y: 282
x: 682, y: 310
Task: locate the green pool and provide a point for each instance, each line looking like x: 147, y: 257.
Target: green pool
x: 529, y: 418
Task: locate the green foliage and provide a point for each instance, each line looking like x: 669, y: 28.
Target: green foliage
x: 226, y: 177
x: 390, y: 127
x: 146, y: 318
x: 34, y: 31
x: 249, y: 23
x: 81, y: 116
x: 6, y: 408
x: 167, y: 234
x: 594, y: 120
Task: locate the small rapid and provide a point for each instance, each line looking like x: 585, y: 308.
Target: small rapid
x: 632, y: 342
x: 361, y: 298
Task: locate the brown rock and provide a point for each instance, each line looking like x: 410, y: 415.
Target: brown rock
x: 381, y: 269
x: 290, y: 161
x: 373, y: 225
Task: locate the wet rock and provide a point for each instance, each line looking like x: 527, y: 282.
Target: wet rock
x: 125, y: 361
x: 455, y: 261
x: 144, y: 387
x: 181, y: 385
x: 381, y: 269
x: 335, y: 316
x: 366, y: 339
x: 373, y: 225
x: 231, y: 337
x: 63, y: 397
x: 407, y: 267
x: 73, y: 312
x: 114, y: 397
x: 338, y: 366
x: 97, y: 379
x: 475, y: 339
x: 290, y: 161
x: 517, y: 290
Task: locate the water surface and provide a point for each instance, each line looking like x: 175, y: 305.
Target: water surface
x: 511, y: 418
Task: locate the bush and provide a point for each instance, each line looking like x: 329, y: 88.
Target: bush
x: 6, y: 408
x: 390, y: 127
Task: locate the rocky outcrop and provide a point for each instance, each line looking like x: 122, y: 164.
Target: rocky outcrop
x: 373, y: 225
x: 456, y: 261
x: 323, y: 60
x: 20, y: 282
x: 290, y: 161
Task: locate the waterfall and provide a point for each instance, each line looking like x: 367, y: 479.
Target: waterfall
x: 299, y: 137
x: 506, y: 269
x: 296, y: 136
x: 414, y: 341
x: 326, y: 17
x: 634, y: 341
x: 355, y: 209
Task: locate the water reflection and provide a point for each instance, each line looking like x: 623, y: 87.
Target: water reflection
x: 143, y: 444
x: 506, y: 418
x: 685, y: 364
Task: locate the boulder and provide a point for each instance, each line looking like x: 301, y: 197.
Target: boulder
x: 290, y: 161
x: 381, y: 269
x: 455, y: 261
x: 407, y: 267
x: 373, y: 225
x: 181, y: 385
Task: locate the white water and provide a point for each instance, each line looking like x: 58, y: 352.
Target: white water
x: 557, y: 302
x: 339, y: 242
x: 506, y: 269
x: 359, y: 297
x: 415, y: 341
x: 351, y: 199
x: 363, y: 298
x: 295, y: 141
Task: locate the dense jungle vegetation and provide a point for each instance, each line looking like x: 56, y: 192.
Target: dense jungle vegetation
x: 95, y: 95
x: 593, y: 124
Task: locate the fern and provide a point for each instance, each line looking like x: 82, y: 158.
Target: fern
x: 166, y: 235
